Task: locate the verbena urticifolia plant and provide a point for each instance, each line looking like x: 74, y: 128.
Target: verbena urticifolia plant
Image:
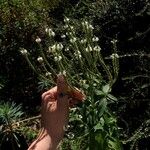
x: 79, y: 56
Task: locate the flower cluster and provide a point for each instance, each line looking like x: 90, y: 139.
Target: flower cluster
x: 55, y: 47
x: 50, y: 32
x: 86, y: 25
x: 23, y: 51
x: 40, y: 59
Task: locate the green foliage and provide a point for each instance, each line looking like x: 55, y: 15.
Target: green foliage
x: 9, y: 113
x: 80, y: 59
x: 9, y: 133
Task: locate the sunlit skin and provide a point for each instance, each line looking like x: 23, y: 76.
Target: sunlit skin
x: 55, y: 113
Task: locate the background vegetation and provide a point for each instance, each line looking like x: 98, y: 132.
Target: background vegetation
x: 127, y: 21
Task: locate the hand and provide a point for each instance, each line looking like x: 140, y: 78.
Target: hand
x: 55, y: 113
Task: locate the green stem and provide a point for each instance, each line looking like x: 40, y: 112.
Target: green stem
x: 109, y: 75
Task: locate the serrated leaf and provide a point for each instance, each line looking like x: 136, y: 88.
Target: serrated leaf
x: 112, y: 97
x: 99, y: 92
x: 103, y: 105
x: 98, y: 127
x: 106, y: 88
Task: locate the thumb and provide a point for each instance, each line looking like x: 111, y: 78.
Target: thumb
x: 62, y: 85
x: 62, y: 93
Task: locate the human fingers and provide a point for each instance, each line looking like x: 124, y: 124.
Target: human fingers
x: 62, y: 85
x: 77, y: 94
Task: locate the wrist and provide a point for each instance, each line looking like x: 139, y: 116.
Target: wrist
x: 44, y: 142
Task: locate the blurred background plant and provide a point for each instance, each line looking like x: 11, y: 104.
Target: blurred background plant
x: 79, y: 57
x: 11, y: 137
x: 15, y: 131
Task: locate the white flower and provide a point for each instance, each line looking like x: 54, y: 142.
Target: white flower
x: 46, y: 30
x: 95, y: 39
x: 86, y: 25
x: 114, y: 41
x: 59, y: 46
x: 73, y: 40
x: 80, y: 117
x: 66, y: 26
x: 67, y: 49
x: 38, y: 40
x: 48, y: 74
x: 24, y: 51
x: 64, y: 72
x: 97, y: 48
x: 66, y: 19
x: 78, y: 54
x: 88, y: 49
x: 83, y: 41
x: 114, y: 55
x: 70, y: 135
x: 63, y: 36
x: 40, y: 59
x: 50, y: 32
x: 71, y: 27
x: 57, y: 58
x: 51, y: 49
x: 90, y: 27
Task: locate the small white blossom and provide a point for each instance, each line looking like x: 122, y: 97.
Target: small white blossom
x: 70, y: 135
x: 83, y: 81
x: 59, y: 46
x: 97, y: 48
x: 66, y: 19
x: 114, y: 41
x: 91, y: 27
x: 51, y: 49
x: 48, y: 74
x: 64, y: 72
x: 88, y: 49
x: 78, y: 54
x: 86, y: 25
x: 73, y: 40
x: 63, y: 36
x: 83, y: 41
x: 66, y: 26
x: 114, y: 56
x: 80, y: 117
x: 38, y: 40
x: 40, y: 59
x: 58, y: 58
x: 95, y: 39
x: 24, y: 51
x: 71, y: 27
x: 67, y: 49
x: 46, y: 30
x: 50, y: 32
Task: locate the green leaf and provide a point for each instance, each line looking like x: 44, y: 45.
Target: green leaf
x: 99, y: 92
x: 106, y: 88
x: 98, y: 127
x: 103, y: 105
x: 114, y: 145
x: 111, y: 97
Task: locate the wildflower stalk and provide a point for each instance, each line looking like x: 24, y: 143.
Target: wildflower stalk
x: 30, y: 64
x: 45, y: 59
x: 109, y: 75
x: 115, y: 60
